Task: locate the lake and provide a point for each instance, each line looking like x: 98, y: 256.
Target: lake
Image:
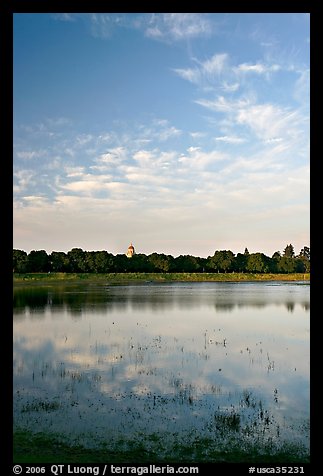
x: 164, y: 363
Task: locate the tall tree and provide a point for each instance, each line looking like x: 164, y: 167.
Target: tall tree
x: 38, y: 262
x: 305, y: 252
x: 59, y: 262
x: 161, y: 262
x: 289, y: 251
x: 222, y: 261
x: 305, y: 258
x: 76, y: 260
x: 20, y: 261
x: 186, y: 264
x: 240, y: 262
x: 258, y: 263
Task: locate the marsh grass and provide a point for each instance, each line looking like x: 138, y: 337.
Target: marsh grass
x: 124, y: 278
x: 40, y: 405
x: 32, y: 447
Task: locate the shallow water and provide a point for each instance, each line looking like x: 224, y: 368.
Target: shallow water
x: 119, y: 363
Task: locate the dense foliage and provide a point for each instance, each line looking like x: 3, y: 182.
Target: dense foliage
x: 223, y: 261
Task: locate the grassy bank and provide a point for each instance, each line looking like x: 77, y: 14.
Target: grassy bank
x: 124, y: 278
x: 45, y: 448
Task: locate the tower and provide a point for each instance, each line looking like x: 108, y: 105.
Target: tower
x: 130, y: 251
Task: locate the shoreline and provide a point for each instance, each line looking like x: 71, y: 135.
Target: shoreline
x: 134, y: 278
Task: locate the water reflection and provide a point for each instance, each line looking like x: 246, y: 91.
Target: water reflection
x: 180, y: 359
x: 97, y: 298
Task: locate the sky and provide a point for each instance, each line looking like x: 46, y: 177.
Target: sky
x: 183, y: 133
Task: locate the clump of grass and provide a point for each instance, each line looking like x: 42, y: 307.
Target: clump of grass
x: 40, y: 405
x: 227, y: 422
x: 50, y: 448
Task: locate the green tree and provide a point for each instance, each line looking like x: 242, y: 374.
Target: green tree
x: 20, y: 261
x: 186, y: 264
x: 286, y: 265
x: 289, y: 251
x: 103, y: 262
x: 59, y: 262
x: 122, y: 263
x: 305, y: 253
x: 258, y: 263
x: 305, y: 258
x: 161, y: 263
x: 222, y: 261
x: 240, y: 262
x: 38, y: 262
x: 76, y: 258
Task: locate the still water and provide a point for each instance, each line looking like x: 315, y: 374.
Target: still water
x: 100, y: 363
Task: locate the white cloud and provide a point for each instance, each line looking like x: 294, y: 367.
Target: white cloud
x: 144, y: 157
x: 101, y: 25
x: 115, y: 156
x: 208, y: 70
x: 36, y: 200
x: 23, y: 179
x: 85, y: 183
x: 197, y: 135
x: 258, y: 68
x: 178, y: 26
x: 269, y: 121
x: 229, y: 88
x: 168, y: 133
x: 302, y: 88
x: 33, y: 154
x: 273, y: 140
x: 69, y: 151
x: 214, y: 65
x: 222, y: 104
x: 64, y: 16
x: 159, y: 130
x: 230, y: 139
x: 154, y: 160
x: 74, y: 171
x: 84, y: 186
x: 83, y: 139
x: 189, y: 74
x: 196, y: 158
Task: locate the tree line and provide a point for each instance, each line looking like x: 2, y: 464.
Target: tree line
x: 223, y: 261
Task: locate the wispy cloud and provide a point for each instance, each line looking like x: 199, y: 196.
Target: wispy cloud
x: 23, y: 179
x: 268, y: 121
x: 178, y: 26
x: 302, y: 88
x: 31, y: 154
x: 229, y: 87
x: 113, y: 157
x: 206, y: 71
x: 74, y: 171
x: 160, y: 130
x: 218, y: 72
x: 221, y: 104
x: 102, y: 25
x: 64, y: 16
x: 197, y: 158
x: 230, y: 139
x: 258, y: 68
x: 165, y: 27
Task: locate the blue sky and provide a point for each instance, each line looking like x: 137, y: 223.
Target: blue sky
x: 183, y: 133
